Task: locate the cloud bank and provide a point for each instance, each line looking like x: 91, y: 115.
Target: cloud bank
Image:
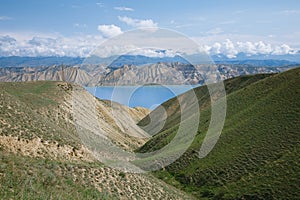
x: 83, y: 46
x: 231, y: 49
x: 4, y: 18
x: 48, y: 46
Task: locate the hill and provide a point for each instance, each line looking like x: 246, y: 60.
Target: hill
x: 256, y: 156
x: 42, y: 156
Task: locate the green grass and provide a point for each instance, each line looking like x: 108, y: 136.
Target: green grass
x: 256, y: 156
x: 30, y: 178
x: 31, y: 110
x: 34, y: 109
x: 39, y: 93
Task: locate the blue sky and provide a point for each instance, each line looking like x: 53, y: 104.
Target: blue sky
x: 231, y: 22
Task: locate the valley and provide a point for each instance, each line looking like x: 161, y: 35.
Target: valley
x: 149, y: 100
x: 256, y: 156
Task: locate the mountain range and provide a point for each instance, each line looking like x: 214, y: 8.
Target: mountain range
x: 158, y: 73
x: 118, y: 61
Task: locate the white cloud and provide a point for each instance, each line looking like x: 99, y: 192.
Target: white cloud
x: 247, y: 47
x: 57, y: 45
x: 231, y: 49
x: 7, y: 40
x: 4, y: 18
x: 49, y: 46
x: 101, y: 5
x: 138, y: 23
x: 282, y: 49
x: 109, y: 30
x: 153, y: 52
x: 216, y: 48
x: 122, y: 8
x: 40, y: 41
x: 113, y: 50
x: 290, y: 12
x: 184, y: 26
x: 215, y: 31
x: 77, y: 25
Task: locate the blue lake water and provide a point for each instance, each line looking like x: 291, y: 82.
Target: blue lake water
x: 144, y: 96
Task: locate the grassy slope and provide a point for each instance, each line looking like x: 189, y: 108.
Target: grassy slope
x: 39, y: 109
x: 257, y: 153
x: 31, y: 178
x: 172, y: 108
x: 27, y: 111
x: 34, y: 109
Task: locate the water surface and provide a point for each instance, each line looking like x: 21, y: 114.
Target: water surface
x: 144, y: 96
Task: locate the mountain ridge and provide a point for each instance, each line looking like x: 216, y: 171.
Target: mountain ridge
x: 118, y: 61
x: 158, y: 73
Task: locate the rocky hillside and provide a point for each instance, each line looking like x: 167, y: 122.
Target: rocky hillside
x: 159, y: 73
x: 42, y: 156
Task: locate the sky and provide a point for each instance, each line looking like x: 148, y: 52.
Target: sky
x: 75, y: 28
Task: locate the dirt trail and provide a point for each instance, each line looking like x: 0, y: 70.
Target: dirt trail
x: 39, y: 148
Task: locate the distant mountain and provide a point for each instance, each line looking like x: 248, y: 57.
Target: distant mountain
x: 259, y: 59
x: 113, y: 62
x: 262, y: 60
x: 259, y: 63
x: 158, y: 73
x: 138, y: 60
x: 142, y: 60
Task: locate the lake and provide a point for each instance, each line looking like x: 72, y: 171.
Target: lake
x: 143, y: 96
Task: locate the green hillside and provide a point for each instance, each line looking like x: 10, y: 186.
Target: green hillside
x: 34, y: 110
x: 257, y: 155
x: 42, y: 157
